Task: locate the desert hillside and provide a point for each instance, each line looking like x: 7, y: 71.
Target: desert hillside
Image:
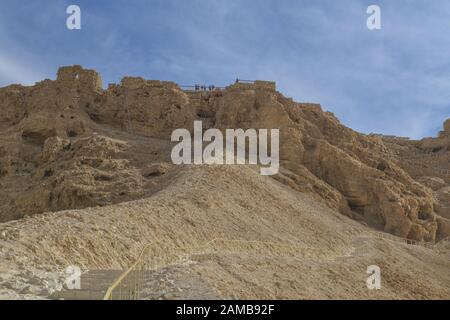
x: 290, y: 245
x: 86, y: 179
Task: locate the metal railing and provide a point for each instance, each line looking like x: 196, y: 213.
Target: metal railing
x: 383, y: 235
x: 210, y: 87
x: 130, y: 285
x: 244, y: 81
x: 201, y: 88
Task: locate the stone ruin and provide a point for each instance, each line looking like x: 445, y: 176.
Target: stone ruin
x: 446, y: 132
x: 139, y: 82
x: 89, y: 79
x: 257, y: 84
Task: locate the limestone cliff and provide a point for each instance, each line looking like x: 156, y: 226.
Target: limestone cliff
x: 69, y: 144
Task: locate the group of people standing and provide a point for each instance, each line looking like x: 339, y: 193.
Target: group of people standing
x: 199, y: 87
x: 204, y: 88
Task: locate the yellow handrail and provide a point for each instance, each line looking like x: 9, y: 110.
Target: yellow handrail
x: 109, y: 292
x: 198, y: 249
x: 203, y: 248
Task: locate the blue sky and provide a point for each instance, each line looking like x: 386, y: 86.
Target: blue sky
x: 394, y: 81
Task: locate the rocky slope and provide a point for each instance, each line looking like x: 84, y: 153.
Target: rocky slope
x: 428, y: 162
x: 272, y: 242
x: 64, y: 146
x: 87, y: 180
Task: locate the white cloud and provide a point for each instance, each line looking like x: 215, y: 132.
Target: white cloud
x: 14, y: 71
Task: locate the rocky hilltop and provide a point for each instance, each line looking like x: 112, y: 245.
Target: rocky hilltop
x: 70, y: 144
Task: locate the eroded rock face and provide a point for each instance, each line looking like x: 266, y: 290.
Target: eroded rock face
x: 372, y: 187
x: 144, y: 107
x: 70, y: 144
x: 427, y: 161
x: 55, y: 156
x: 434, y: 183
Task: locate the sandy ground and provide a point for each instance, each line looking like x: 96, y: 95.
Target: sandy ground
x: 303, y: 249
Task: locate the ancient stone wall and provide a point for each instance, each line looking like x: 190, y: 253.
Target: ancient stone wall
x: 87, y: 78
x: 258, y: 84
x: 266, y: 85
x: 446, y: 132
x: 138, y: 82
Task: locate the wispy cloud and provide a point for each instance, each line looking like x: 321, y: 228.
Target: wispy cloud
x: 393, y: 81
x: 12, y: 71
